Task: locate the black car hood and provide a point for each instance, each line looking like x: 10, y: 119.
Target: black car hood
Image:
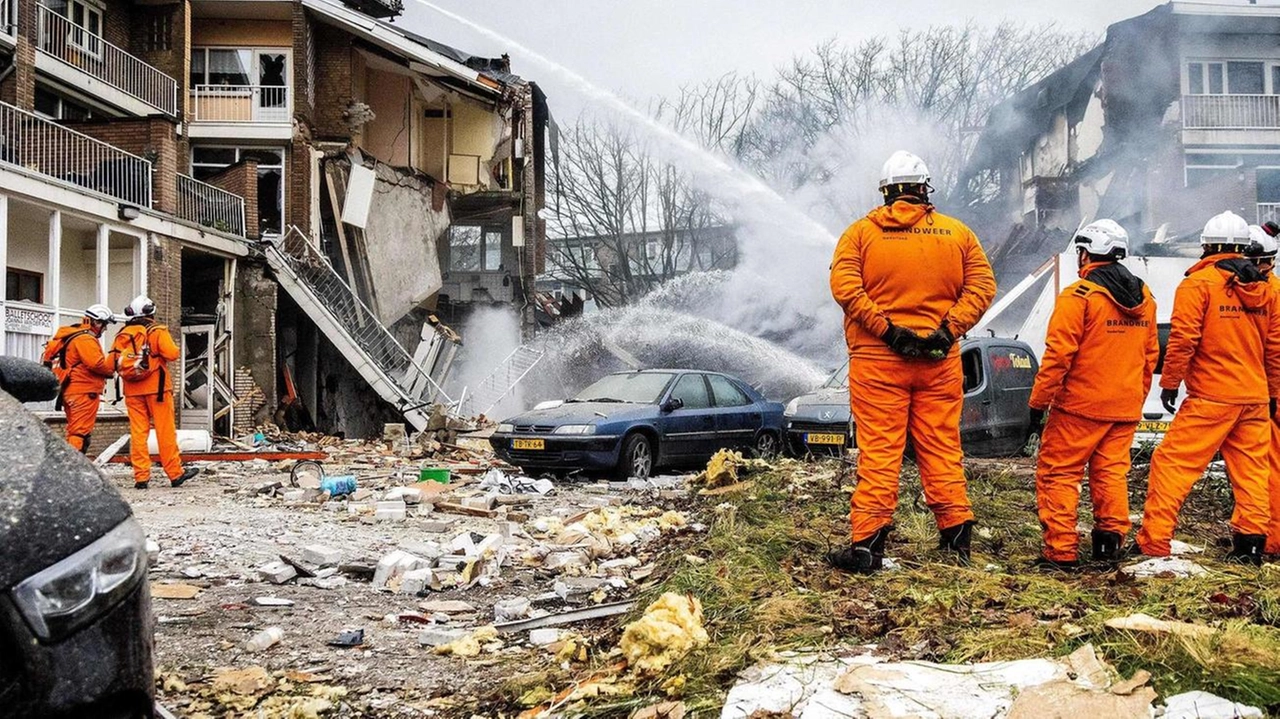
x: 584, y: 412
x: 53, y: 501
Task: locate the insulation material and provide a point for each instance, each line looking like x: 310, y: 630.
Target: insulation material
x: 670, y: 628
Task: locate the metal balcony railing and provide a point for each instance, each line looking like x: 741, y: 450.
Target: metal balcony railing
x: 241, y: 103
x: 1230, y: 112
x: 34, y: 143
x: 1268, y: 211
x: 210, y: 206
x: 89, y: 53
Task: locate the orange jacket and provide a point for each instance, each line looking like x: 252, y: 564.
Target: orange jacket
x: 913, y: 266
x: 135, y: 335
x: 1099, y: 350
x: 85, y: 367
x: 1224, y: 341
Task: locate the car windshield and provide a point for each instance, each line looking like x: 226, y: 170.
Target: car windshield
x: 636, y: 387
x: 838, y: 379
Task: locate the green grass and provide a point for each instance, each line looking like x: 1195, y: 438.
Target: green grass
x: 765, y: 587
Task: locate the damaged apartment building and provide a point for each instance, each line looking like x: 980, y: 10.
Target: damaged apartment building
x: 315, y: 198
x: 1173, y: 118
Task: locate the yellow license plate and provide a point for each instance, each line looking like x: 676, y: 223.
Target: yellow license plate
x: 1153, y: 426
x: 528, y: 444
x: 824, y: 438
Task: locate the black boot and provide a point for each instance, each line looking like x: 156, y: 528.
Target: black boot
x: 1247, y: 548
x: 1107, y: 546
x: 1045, y: 564
x: 863, y: 556
x: 177, y: 481
x: 958, y: 539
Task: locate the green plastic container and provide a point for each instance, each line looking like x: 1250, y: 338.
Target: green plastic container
x: 433, y: 474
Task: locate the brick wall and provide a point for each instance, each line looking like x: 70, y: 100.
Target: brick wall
x: 154, y: 138
x: 117, y: 24
x: 158, y: 36
x: 254, y: 335
x: 164, y: 287
x: 20, y: 87
x: 304, y: 69
x: 242, y: 179
x: 333, y: 82
x: 297, y: 209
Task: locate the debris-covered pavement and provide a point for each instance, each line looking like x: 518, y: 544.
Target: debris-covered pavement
x: 494, y: 594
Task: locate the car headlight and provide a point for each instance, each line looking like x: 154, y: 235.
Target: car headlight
x: 506, y: 428
x: 59, y: 599
x: 575, y: 429
x: 792, y: 406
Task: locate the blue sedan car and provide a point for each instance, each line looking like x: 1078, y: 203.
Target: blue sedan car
x: 631, y: 423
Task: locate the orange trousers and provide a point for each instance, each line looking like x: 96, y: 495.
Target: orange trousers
x: 1273, y: 533
x: 1200, y: 429
x: 1069, y: 444
x: 145, y: 411
x: 82, y: 415
x: 891, y: 397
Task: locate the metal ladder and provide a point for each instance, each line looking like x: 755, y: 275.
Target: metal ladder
x: 306, y: 274
x: 503, y: 379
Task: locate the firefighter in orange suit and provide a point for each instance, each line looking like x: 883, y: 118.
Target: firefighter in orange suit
x: 911, y: 280
x: 1100, y: 351
x: 143, y: 350
x: 1262, y: 252
x: 1225, y: 344
x: 82, y: 368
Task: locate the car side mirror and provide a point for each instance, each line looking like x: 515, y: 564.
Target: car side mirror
x: 672, y: 404
x: 27, y: 381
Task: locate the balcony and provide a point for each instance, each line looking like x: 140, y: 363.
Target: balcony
x: 72, y: 158
x: 1268, y: 211
x: 242, y: 111
x: 1231, y: 112
x: 90, y: 63
x: 210, y: 206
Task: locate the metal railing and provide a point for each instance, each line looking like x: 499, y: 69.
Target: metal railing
x: 89, y: 53
x: 34, y: 143
x: 1268, y: 211
x: 502, y: 380
x: 210, y: 206
x: 241, y: 103
x: 1230, y: 112
x: 294, y: 253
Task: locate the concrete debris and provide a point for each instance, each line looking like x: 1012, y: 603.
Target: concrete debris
x: 670, y: 628
x: 447, y: 606
x: 439, y: 636
x: 577, y: 590
x: 321, y: 556
x: 417, y: 581
x: 510, y: 610
x: 153, y: 552
x: 277, y: 572
x: 1203, y: 705
x: 1164, y: 567
x: 543, y: 637
x: 391, y: 511
x: 272, y: 602
x: 498, y: 481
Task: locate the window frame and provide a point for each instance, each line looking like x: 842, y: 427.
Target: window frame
x: 715, y: 397
x: 254, y: 69
x: 262, y: 169
x: 20, y: 273
x: 81, y: 30
x: 706, y: 387
x: 1270, y: 75
x: 488, y: 233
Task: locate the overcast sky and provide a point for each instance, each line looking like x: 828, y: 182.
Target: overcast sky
x: 642, y: 48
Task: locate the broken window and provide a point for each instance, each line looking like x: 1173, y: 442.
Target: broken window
x: 466, y: 244
x: 492, y: 250
x: 208, y: 161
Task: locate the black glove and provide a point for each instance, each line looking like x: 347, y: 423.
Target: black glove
x: 939, y: 342
x: 1037, y: 420
x: 1169, y: 398
x: 902, y: 341
x: 1272, y: 411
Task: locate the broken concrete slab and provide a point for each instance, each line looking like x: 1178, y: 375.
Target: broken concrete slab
x: 513, y: 609
x: 576, y: 590
x: 277, y: 572
x: 416, y: 581
x: 320, y: 555
x: 440, y: 636
x: 544, y: 636
x: 390, y: 511
x: 394, y: 565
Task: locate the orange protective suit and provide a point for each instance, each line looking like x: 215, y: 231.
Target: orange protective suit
x: 82, y: 368
x: 1225, y: 344
x: 916, y: 268
x: 1273, y: 533
x: 148, y: 396
x: 1100, y: 352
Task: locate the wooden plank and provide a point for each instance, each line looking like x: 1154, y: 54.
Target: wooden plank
x: 347, y: 268
x: 450, y: 508
x: 232, y: 456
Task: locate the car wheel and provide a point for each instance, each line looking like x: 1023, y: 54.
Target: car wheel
x: 636, y: 459
x: 766, y: 445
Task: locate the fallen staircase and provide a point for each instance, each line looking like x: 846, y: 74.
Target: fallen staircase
x: 502, y: 380
x: 306, y: 274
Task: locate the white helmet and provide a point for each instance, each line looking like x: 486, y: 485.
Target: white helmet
x: 1103, y: 237
x: 904, y: 168
x: 1262, y: 245
x: 142, y: 306
x: 100, y: 313
x: 1227, y: 228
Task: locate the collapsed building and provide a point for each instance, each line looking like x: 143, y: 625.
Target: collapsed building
x: 315, y: 198
x: 1173, y: 118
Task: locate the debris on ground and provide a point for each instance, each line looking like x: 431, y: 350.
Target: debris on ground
x: 670, y: 628
x: 1151, y: 625
x: 724, y: 468
x: 1164, y: 567
x: 1203, y: 705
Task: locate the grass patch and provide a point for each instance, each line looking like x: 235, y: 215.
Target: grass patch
x: 764, y: 587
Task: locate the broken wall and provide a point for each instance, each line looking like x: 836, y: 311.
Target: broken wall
x: 403, y: 229
x: 255, y: 344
